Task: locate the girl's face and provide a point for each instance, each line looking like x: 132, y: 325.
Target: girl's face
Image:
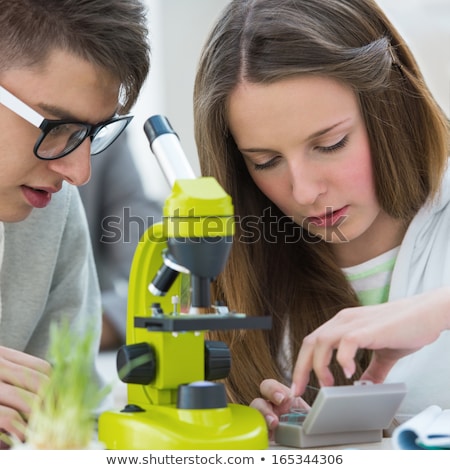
x: 306, y: 147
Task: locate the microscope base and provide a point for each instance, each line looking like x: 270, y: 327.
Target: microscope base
x: 167, y: 427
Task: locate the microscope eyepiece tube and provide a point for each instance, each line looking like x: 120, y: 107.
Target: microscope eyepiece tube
x: 167, y: 149
x: 166, y: 276
x: 163, y: 280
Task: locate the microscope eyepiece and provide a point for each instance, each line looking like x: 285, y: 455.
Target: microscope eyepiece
x: 156, y: 126
x: 167, y: 149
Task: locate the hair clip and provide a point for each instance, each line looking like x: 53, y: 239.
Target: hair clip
x: 394, y: 57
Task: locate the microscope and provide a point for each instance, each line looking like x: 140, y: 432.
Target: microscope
x: 175, y: 399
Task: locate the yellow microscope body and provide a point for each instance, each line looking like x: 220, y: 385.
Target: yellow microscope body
x: 170, y: 369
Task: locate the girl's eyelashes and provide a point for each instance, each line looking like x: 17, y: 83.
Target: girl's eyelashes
x: 264, y: 166
x: 333, y: 148
x: 329, y: 149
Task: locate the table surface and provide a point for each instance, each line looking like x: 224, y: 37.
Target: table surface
x: 384, y: 444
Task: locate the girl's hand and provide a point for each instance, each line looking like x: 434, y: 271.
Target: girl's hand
x: 277, y: 399
x: 21, y: 376
x: 391, y: 330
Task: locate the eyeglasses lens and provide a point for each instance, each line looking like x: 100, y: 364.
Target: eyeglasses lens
x: 106, y: 135
x: 62, y: 140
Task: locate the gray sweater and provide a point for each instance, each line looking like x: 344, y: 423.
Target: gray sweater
x: 47, y: 272
x: 118, y: 212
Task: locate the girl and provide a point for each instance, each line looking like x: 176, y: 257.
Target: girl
x: 315, y: 118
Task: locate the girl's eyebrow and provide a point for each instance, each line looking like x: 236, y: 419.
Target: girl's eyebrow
x: 328, y: 129
x: 311, y: 137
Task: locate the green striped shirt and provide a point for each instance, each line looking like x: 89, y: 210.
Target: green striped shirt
x: 371, y: 280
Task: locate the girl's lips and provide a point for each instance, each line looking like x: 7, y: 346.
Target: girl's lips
x: 38, y: 198
x: 329, y: 219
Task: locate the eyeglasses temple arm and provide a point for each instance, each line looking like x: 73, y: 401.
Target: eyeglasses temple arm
x: 20, y: 108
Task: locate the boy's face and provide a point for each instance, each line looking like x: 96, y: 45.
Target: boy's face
x: 64, y: 87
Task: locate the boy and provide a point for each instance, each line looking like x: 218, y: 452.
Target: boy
x: 69, y: 71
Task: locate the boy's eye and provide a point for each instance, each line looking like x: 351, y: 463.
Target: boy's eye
x: 333, y: 148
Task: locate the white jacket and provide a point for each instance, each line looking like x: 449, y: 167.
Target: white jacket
x: 423, y: 264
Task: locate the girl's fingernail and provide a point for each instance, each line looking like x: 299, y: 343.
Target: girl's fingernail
x: 348, y: 373
x: 269, y: 419
x: 278, y: 398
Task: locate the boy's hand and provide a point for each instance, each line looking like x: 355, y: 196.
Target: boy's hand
x: 21, y: 376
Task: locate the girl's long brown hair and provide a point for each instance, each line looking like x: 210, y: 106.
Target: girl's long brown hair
x: 275, y: 268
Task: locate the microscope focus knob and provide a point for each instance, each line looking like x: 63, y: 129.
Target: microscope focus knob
x: 217, y: 360
x: 201, y: 395
x: 136, y: 363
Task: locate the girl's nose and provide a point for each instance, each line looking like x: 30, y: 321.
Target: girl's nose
x: 307, y: 183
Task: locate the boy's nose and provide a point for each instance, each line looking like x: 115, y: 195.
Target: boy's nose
x: 75, y: 168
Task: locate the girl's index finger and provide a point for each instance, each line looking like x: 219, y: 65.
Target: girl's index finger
x: 302, y: 369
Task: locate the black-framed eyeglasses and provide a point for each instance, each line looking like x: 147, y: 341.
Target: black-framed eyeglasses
x: 60, y: 137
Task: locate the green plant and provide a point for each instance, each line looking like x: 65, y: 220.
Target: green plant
x: 63, y: 415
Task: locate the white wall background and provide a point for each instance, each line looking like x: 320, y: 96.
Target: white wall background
x: 425, y: 26
x: 178, y: 29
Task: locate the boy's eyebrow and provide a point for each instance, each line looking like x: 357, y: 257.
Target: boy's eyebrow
x: 61, y: 113
x: 311, y: 137
x: 57, y: 112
